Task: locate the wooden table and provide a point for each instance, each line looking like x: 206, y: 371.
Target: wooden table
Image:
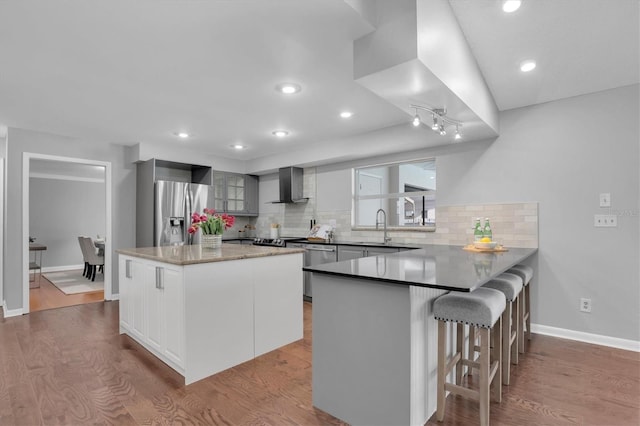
x: 36, y: 265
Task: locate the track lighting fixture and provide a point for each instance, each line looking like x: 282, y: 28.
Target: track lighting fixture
x: 440, y: 120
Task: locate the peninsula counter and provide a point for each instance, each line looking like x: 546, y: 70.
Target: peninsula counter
x: 202, y: 311
x: 374, y: 335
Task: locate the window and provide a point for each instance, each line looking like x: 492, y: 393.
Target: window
x: 405, y: 191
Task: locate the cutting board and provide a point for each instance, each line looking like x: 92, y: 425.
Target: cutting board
x: 319, y: 232
x: 496, y: 249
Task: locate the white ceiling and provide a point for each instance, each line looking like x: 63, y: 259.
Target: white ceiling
x: 580, y: 46
x: 128, y: 72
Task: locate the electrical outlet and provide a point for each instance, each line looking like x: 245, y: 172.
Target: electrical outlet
x: 585, y: 305
x: 605, y: 200
x: 605, y: 221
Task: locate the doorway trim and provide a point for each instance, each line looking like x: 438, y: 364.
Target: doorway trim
x: 26, y: 162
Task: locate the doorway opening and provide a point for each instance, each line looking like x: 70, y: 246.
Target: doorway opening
x: 65, y: 198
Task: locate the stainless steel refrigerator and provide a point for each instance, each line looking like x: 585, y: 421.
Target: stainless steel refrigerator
x: 174, y: 204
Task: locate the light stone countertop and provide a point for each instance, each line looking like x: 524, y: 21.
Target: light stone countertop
x: 194, y: 254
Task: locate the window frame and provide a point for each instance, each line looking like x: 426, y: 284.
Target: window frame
x: 355, y: 198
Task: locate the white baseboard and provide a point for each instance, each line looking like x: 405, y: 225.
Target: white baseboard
x: 115, y: 297
x: 598, y: 339
x: 61, y: 268
x: 10, y: 312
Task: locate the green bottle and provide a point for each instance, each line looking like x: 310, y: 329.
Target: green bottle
x: 486, y: 232
x: 477, y: 232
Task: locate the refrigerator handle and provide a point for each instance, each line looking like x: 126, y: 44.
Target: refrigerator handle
x: 188, y: 203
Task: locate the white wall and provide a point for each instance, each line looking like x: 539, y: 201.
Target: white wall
x: 560, y: 155
x: 62, y: 210
x: 123, y: 195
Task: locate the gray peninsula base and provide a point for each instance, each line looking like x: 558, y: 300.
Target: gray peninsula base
x: 374, y: 350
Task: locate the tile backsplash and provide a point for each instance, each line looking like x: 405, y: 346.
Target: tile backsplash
x: 513, y: 224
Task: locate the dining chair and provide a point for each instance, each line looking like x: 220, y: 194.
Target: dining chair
x: 94, y: 260
x: 85, y: 273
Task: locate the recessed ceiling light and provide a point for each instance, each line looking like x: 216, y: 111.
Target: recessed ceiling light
x: 182, y: 135
x: 346, y: 114
x: 511, y: 5
x: 280, y: 133
x: 238, y: 146
x: 288, y: 88
x: 527, y: 66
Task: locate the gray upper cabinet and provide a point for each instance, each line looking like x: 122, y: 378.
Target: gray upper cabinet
x: 235, y: 193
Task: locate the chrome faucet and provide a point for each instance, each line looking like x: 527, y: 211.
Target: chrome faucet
x: 384, y: 222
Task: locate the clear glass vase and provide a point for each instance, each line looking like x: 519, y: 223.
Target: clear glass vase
x: 211, y: 241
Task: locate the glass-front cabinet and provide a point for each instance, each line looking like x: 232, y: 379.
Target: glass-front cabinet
x: 235, y: 193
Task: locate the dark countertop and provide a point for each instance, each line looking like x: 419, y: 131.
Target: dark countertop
x: 336, y: 243
x: 360, y: 243
x: 436, y: 266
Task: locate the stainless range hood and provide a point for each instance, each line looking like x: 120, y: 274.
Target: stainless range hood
x: 291, y: 184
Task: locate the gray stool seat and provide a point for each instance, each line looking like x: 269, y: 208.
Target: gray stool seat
x: 523, y: 271
x: 480, y: 308
x: 509, y: 284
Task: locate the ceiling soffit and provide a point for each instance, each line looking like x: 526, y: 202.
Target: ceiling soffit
x: 419, y: 55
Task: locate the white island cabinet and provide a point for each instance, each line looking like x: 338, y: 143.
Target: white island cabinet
x: 202, y: 311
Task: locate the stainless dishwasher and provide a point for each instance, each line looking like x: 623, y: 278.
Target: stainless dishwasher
x: 315, y: 254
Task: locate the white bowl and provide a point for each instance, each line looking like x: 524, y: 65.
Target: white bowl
x: 490, y: 245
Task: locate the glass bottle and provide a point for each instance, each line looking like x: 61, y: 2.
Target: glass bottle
x: 486, y: 231
x: 477, y: 231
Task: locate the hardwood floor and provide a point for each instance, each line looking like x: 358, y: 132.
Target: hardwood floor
x: 71, y: 367
x: 48, y: 296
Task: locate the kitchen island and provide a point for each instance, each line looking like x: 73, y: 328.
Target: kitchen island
x: 202, y: 311
x: 374, y: 335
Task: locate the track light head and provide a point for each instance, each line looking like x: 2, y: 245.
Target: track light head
x: 434, y: 126
x: 416, y: 119
x: 442, y: 129
x: 457, y: 136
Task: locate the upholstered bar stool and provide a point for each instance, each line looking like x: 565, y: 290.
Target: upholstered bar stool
x: 526, y: 273
x: 511, y: 286
x: 482, y: 308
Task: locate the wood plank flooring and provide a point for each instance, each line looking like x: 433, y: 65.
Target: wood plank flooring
x: 71, y: 367
x: 48, y: 296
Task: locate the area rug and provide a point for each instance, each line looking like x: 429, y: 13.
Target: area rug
x: 72, y: 282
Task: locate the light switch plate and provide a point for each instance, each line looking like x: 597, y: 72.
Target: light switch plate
x: 605, y: 200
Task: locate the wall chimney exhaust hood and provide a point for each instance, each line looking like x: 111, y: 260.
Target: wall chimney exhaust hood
x: 291, y: 184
